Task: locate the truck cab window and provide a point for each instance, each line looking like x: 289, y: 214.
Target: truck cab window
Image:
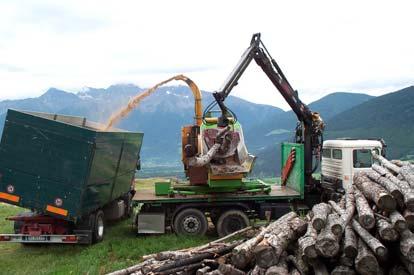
x: 362, y: 158
x: 326, y: 153
x: 337, y: 154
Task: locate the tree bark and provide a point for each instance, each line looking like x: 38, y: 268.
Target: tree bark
x: 243, y: 254
x: 386, y: 231
x: 374, y: 192
x: 398, y: 221
x: 408, y: 174
x: 392, y: 188
x: 319, y: 268
x: 343, y: 270
x: 294, y: 271
x: 268, y: 251
x: 365, y: 214
x: 387, y: 164
x: 345, y: 260
x: 405, y: 188
x: 257, y: 270
x: 320, y: 214
x: 365, y: 262
x: 227, y: 269
x: 280, y: 269
x: 400, y: 163
x: 409, y: 217
x: 298, y: 262
x: 327, y: 243
x: 203, y: 270
x: 350, y: 242
x: 379, y: 249
x: 307, y: 243
x: 407, y: 245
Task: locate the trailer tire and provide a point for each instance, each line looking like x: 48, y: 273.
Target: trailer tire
x: 190, y: 221
x: 231, y: 221
x: 98, y: 229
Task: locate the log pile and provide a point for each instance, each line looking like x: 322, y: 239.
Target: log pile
x: 368, y: 232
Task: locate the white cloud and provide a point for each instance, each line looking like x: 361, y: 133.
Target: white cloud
x: 322, y: 46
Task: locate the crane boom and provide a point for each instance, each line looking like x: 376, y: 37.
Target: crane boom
x: 311, y: 125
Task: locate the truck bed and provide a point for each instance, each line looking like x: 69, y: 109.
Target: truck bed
x: 277, y: 193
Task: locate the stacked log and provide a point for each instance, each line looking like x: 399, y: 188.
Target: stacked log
x: 368, y: 232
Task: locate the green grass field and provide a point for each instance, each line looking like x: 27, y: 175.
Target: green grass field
x: 121, y: 248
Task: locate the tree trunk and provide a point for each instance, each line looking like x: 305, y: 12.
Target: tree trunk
x: 374, y: 192
x: 320, y: 214
x: 379, y: 249
x: 307, y: 243
x: 269, y: 250
x: 386, y: 231
x: 365, y: 262
x: 407, y: 245
x: 280, y: 269
x: 392, y: 188
x: 257, y: 270
x: 350, y: 242
x: 400, y: 163
x: 343, y: 270
x: 243, y: 254
x: 387, y: 164
x: 319, y: 268
x: 345, y: 260
x: 365, y: 214
x: 408, y: 174
x: 227, y: 269
x: 398, y: 221
x: 197, y: 258
x: 409, y: 217
x: 294, y: 271
x: 298, y: 262
x: 327, y: 243
x: 203, y: 270
x: 405, y: 188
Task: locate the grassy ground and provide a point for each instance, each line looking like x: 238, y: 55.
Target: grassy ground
x: 121, y: 248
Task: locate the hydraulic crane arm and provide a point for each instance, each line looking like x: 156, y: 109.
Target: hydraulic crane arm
x: 311, y: 125
x: 259, y: 53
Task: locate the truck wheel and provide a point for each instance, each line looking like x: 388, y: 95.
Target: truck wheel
x: 190, y: 221
x: 231, y: 221
x: 98, y: 227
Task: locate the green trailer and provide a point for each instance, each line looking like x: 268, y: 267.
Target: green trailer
x: 71, y: 175
x: 186, y: 209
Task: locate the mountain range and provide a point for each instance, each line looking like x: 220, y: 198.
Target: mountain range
x: 162, y: 115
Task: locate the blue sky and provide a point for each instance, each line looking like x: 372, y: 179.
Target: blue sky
x: 322, y: 46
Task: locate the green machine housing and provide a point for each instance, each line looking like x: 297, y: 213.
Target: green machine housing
x: 64, y: 165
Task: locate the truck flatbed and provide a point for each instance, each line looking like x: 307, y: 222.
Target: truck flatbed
x: 277, y: 193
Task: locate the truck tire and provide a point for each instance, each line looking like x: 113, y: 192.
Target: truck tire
x: 98, y: 229
x: 190, y: 221
x: 231, y: 221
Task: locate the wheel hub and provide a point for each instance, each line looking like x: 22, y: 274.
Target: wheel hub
x: 191, y: 224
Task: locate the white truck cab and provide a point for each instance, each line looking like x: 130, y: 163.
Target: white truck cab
x: 342, y: 158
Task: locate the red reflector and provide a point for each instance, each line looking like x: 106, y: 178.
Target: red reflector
x: 70, y: 239
x: 5, y: 238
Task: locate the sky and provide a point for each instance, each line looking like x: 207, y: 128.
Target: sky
x: 322, y: 46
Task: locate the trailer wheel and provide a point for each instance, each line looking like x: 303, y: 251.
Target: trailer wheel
x: 231, y: 221
x: 98, y: 227
x: 190, y: 221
